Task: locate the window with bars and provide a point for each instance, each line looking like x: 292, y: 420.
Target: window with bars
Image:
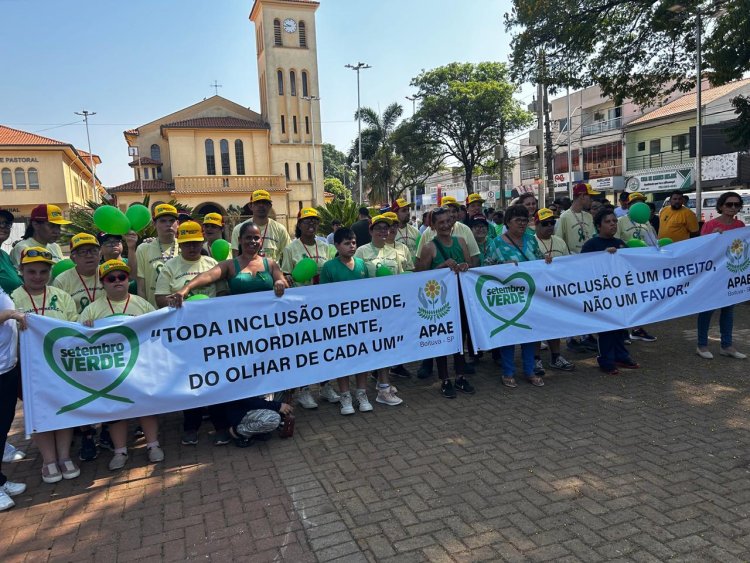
x: 224, y: 150
x: 7, y: 179
x: 277, y: 33
x: 239, y: 157
x: 302, y: 35
x: 210, y: 158
x: 20, y: 179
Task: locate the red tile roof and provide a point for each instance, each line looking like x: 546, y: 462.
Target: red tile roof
x: 9, y: 136
x: 132, y: 132
x: 687, y: 102
x: 216, y: 123
x: 144, y: 160
x: 148, y: 186
x: 86, y: 156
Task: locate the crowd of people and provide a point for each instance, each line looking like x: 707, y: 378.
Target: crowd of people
x: 115, y: 275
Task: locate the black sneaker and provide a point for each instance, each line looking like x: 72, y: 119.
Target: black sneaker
x: 590, y: 344
x: 538, y: 367
x: 470, y: 368
x: 222, y: 438
x: 400, y: 371
x: 88, y: 451
x: 424, y: 373
x: 105, y: 440
x: 462, y: 384
x: 189, y: 438
x: 641, y: 334
x: 138, y: 432
x: 447, y: 389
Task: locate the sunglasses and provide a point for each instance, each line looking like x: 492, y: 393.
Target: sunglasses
x: 112, y: 278
x: 38, y: 253
x: 547, y: 223
x: 733, y: 204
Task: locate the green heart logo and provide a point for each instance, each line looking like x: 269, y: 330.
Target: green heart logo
x: 105, y: 356
x: 504, y: 300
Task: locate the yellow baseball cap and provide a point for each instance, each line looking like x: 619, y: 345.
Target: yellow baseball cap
x: 261, y: 195
x: 636, y: 196
x: 543, y: 214
x: 49, y: 213
x: 380, y: 219
x: 113, y: 266
x: 400, y: 203
x: 449, y: 200
x: 189, y: 231
x: 473, y: 198
x: 308, y: 213
x: 213, y: 219
x: 36, y: 254
x: 583, y: 188
x: 82, y: 239
x: 391, y: 215
x: 165, y: 209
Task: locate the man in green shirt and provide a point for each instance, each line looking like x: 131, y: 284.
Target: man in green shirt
x: 9, y: 278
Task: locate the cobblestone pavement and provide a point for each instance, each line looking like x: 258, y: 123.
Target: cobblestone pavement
x: 648, y: 466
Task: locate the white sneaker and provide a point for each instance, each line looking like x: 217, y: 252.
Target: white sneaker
x: 388, y: 396
x: 155, y: 454
x: 13, y: 489
x: 363, y: 401
x: 328, y: 393
x: 346, y: 403
x: 5, y: 501
x: 118, y: 461
x: 305, y: 400
x: 12, y: 454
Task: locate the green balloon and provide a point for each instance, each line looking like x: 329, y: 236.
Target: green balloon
x: 665, y: 241
x: 636, y: 243
x: 197, y: 297
x: 639, y: 212
x: 382, y: 271
x: 139, y: 216
x: 220, y: 249
x: 111, y: 220
x: 305, y: 270
x: 61, y: 266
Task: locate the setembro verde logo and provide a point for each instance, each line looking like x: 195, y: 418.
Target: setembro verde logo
x: 737, y: 256
x: 506, y: 299
x: 88, y: 362
x: 433, y: 299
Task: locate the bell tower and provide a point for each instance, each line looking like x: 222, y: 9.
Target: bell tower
x: 286, y: 47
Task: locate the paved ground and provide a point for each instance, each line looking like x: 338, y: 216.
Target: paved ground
x: 648, y: 466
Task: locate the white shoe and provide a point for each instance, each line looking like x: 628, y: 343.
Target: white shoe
x: 155, y: 454
x: 5, y: 501
x: 543, y: 345
x: 346, y: 403
x: 118, y: 461
x: 13, y: 489
x: 328, y: 393
x: 305, y: 400
x: 12, y: 453
x: 388, y: 396
x: 732, y: 353
x: 705, y: 354
x: 363, y: 401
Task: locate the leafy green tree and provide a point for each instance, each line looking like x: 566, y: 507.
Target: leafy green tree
x: 636, y: 49
x: 339, y: 191
x: 467, y: 109
x: 334, y: 163
x: 345, y: 211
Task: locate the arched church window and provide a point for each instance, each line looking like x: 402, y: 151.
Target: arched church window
x: 302, y: 35
x: 304, y: 84
x: 224, y: 149
x: 210, y: 158
x: 280, y: 79
x: 239, y: 157
x: 292, y: 83
x: 156, y: 152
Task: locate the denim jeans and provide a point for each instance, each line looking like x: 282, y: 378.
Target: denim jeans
x: 507, y: 354
x: 612, y: 349
x: 726, y: 323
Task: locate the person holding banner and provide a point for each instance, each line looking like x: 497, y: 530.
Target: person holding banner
x: 10, y: 321
x: 346, y: 267
x: 307, y: 246
x: 516, y: 245
x: 458, y: 229
x: 447, y: 251
x: 152, y: 256
x: 728, y: 205
x: 36, y: 297
x: 612, y: 351
x: 118, y: 301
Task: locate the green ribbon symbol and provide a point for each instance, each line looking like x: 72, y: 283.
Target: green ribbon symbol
x: 513, y: 321
x: 93, y: 394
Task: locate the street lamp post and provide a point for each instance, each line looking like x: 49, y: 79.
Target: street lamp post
x: 85, y: 114
x: 312, y: 131
x: 698, y: 118
x: 359, y: 66
x: 413, y: 100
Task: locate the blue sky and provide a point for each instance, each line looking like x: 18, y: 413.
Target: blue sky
x: 132, y: 62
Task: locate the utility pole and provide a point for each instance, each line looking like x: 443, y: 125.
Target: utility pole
x: 549, y: 153
x: 413, y: 100
x: 359, y: 66
x: 541, y: 192
x: 85, y: 114
x: 570, y: 148
x: 699, y: 118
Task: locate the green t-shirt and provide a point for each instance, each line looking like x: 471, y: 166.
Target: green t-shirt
x: 9, y: 278
x: 334, y: 271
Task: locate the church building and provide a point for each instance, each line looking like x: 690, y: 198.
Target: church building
x: 213, y: 154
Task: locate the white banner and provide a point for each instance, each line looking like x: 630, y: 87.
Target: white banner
x: 589, y: 293
x: 227, y: 348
